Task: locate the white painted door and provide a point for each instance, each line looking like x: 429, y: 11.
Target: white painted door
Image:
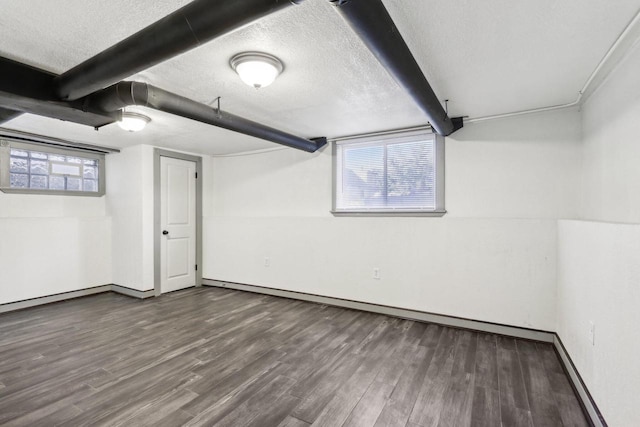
x: 178, y: 224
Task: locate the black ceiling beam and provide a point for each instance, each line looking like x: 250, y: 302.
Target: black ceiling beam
x: 56, y: 110
x: 17, y: 76
x: 373, y: 24
x: 26, y: 89
x: 26, y: 80
x: 128, y: 93
x: 188, y: 27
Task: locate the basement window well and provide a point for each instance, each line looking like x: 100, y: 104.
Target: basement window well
x: 34, y: 169
x: 389, y: 174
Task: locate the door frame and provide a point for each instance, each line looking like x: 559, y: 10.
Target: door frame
x: 157, y: 207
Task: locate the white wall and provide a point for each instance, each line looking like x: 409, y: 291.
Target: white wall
x: 52, y: 244
x: 526, y: 167
x: 130, y: 205
x: 80, y: 242
x: 599, y: 282
x: 599, y: 258
x: 492, y: 257
x: 611, y: 176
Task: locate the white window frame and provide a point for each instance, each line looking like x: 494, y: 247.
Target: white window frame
x: 6, y: 144
x: 379, y: 140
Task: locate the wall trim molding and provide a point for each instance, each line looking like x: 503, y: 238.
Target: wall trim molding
x: 135, y: 293
x: 63, y: 296
x: 405, y: 313
x: 32, y: 302
x: 585, y: 398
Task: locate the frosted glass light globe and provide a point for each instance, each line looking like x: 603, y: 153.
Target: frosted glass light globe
x: 257, y: 69
x: 133, y: 122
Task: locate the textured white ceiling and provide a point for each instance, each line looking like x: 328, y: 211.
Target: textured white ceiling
x: 488, y: 57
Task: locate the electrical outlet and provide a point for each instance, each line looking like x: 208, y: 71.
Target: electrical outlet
x: 592, y: 333
x: 376, y: 273
x: 267, y: 261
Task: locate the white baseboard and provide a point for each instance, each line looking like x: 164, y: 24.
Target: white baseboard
x: 132, y: 292
x: 455, y: 322
x: 19, y: 305
x: 589, y: 405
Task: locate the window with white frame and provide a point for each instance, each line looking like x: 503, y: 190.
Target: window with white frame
x: 394, y: 173
x: 40, y: 169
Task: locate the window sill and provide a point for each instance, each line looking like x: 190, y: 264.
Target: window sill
x: 52, y: 192
x: 389, y: 213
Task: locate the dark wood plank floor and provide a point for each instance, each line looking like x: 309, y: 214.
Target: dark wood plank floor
x: 212, y: 356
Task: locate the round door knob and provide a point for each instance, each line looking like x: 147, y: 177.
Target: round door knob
x: 165, y: 232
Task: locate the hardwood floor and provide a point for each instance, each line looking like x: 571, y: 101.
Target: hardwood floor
x: 219, y: 357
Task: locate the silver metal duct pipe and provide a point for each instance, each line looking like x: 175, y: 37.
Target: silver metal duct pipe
x: 126, y: 93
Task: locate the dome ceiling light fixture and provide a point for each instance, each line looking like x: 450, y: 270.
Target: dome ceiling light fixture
x: 133, y: 122
x: 257, y: 69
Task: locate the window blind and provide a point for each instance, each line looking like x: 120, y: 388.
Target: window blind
x: 390, y: 174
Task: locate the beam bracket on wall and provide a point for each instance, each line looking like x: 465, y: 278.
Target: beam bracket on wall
x: 458, y: 123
